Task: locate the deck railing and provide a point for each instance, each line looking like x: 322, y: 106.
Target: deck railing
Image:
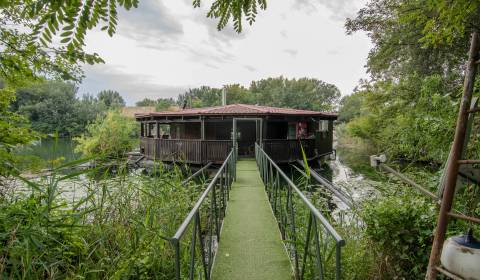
x: 203, y: 223
x: 310, y: 250
x: 288, y: 149
x: 186, y: 150
x: 198, y: 151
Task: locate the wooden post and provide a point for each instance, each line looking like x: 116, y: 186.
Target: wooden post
x: 263, y: 131
x: 202, y: 129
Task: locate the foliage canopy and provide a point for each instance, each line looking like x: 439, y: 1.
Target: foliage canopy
x: 303, y: 93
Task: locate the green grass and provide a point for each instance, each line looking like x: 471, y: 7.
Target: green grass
x: 250, y: 245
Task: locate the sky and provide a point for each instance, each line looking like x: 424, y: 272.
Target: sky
x: 165, y: 47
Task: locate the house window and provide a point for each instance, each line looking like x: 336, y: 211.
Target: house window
x: 323, y: 125
x: 292, y: 130
x: 151, y: 130
x: 164, y: 131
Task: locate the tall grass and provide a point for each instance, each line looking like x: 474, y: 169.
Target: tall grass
x: 117, y: 228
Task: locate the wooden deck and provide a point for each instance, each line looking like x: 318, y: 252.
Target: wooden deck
x: 251, y: 246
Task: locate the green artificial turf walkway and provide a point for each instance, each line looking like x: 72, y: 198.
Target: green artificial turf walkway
x: 250, y: 243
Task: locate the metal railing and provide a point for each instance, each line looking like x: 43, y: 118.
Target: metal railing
x: 198, y: 173
x: 298, y: 219
x: 204, y: 223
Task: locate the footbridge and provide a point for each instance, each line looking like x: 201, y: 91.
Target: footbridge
x: 253, y: 222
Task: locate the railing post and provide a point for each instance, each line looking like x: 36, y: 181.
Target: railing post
x: 176, y: 245
x: 338, y: 262
x: 192, y: 250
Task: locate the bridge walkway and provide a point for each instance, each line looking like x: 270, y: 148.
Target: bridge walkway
x: 251, y: 246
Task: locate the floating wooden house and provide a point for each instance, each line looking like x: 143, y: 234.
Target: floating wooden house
x: 202, y: 135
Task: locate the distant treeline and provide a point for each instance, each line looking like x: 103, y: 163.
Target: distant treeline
x: 303, y: 93
x: 54, y: 107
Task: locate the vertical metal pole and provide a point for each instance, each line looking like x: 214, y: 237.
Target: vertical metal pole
x: 234, y: 136
x: 338, y: 262
x: 192, y: 250
x: 176, y: 244
x: 456, y: 152
x: 202, y: 244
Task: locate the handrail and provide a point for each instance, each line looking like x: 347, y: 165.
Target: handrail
x: 329, y: 185
x: 284, y: 195
x: 200, y: 171
x: 215, y: 212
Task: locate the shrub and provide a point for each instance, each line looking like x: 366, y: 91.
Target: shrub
x: 400, y: 228
x: 112, y: 135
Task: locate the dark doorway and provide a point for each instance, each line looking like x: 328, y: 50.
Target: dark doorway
x: 246, y: 137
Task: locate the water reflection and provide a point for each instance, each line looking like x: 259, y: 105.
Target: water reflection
x: 48, y: 149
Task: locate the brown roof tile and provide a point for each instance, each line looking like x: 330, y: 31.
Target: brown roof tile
x: 240, y: 109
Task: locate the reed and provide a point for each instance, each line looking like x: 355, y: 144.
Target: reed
x: 114, y: 227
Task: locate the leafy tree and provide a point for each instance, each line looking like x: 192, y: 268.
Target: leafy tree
x: 87, y: 109
x: 350, y: 107
x: 160, y: 104
x: 163, y: 104
x: 413, y: 119
x: 304, y: 93
x: 53, y: 107
x: 201, y: 97
x: 111, y: 99
x: 224, y: 10
x: 112, y: 135
x: 146, y: 102
x: 13, y: 132
x: 420, y: 47
x: 49, y: 106
x: 238, y: 94
x: 403, y: 39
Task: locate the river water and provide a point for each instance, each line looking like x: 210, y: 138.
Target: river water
x: 346, y: 171
x: 50, y: 148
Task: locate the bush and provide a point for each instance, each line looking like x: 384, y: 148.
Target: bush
x: 400, y: 228
x: 112, y: 136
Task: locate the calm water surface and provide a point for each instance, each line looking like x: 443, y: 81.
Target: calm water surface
x: 51, y: 148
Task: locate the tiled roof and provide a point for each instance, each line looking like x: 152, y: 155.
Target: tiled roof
x: 240, y: 109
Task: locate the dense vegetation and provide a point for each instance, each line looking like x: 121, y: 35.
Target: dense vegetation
x: 303, y: 93
x: 408, y: 111
x: 54, y: 107
x: 409, y: 107
x: 121, y: 132
x: 114, y: 228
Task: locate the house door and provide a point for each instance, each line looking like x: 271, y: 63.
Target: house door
x: 246, y: 133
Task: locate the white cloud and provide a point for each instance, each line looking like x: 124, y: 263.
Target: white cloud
x: 132, y: 87
x: 291, y: 52
x: 167, y: 46
x: 339, y: 9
